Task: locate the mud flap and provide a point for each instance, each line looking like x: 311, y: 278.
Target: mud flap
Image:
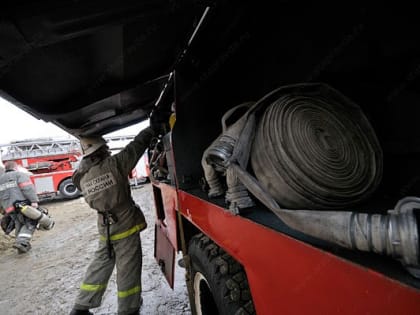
x: 164, y: 254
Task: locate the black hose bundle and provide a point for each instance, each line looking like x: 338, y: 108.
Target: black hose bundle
x: 315, y: 149
x: 312, y: 148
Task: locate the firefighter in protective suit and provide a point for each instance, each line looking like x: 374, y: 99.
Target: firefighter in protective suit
x: 103, y: 180
x: 19, y: 201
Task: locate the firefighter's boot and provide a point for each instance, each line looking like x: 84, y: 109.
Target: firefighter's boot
x: 137, y: 311
x: 22, y: 248
x: 80, y: 312
x: 24, y: 237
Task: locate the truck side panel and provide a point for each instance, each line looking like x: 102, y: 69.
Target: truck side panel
x: 293, y: 277
x: 49, y: 182
x: 166, y: 207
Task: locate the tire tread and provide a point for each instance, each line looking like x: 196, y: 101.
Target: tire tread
x: 226, y: 269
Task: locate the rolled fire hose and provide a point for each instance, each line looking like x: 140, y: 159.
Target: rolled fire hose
x: 316, y: 151
x: 334, y: 129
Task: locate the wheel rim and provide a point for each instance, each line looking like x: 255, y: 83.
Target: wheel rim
x: 203, y: 298
x: 70, y: 189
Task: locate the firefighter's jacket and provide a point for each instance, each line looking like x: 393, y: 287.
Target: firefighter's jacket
x: 105, y: 187
x: 15, y: 186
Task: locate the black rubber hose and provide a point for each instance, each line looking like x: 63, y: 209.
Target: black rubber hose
x: 316, y: 152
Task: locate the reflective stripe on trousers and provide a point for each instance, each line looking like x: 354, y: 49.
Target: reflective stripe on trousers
x: 92, y: 287
x: 25, y: 235
x: 128, y: 260
x: 123, y: 294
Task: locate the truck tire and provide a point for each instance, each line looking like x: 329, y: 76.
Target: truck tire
x: 219, y: 282
x: 68, y: 190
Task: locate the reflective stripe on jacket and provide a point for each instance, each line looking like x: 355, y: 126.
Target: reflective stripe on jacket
x: 16, y: 186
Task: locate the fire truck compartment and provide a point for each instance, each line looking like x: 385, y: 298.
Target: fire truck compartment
x: 369, y: 54
x: 96, y: 66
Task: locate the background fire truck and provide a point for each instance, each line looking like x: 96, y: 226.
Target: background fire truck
x: 50, y: 162
x: 53, y: 162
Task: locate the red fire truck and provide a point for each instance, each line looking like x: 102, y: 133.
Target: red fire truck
x: 50, y: 162
x: 267, y: 259
x: 53, y: 162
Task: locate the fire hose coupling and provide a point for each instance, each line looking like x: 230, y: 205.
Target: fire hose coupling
x: 218, y: 156
x: 395, y: 234
x: 403, y: 233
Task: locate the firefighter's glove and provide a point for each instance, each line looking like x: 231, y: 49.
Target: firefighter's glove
x: 7, y: 224
x: 159, y: 121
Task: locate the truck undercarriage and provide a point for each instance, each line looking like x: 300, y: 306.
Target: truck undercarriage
x: 96, y: 67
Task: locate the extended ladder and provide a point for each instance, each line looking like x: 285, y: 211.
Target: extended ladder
x: 38, y: 147
x: 45, y: 147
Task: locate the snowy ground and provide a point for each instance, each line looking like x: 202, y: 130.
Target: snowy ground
x: 46, y: 280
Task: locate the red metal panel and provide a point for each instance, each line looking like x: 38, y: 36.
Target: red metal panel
x: 57, y: 159
x: 287, y: 276
x: 169, y: 226
x: 60, y: 176
x: 165, y: 254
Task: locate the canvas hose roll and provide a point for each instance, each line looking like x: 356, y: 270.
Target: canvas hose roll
x: 317, y: 151
x: 309, y: 146
x: 312, y: 148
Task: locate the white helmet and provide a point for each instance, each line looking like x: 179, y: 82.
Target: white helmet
x: 91, y: 144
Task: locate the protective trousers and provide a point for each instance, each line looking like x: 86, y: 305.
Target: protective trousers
x: 127, y: 255
x: 25, y: 229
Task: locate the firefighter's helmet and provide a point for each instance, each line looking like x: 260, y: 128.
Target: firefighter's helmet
x: 11, y: 166
x: 91, y: 144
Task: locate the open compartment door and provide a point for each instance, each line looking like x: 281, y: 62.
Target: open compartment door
x: 164, y: 254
